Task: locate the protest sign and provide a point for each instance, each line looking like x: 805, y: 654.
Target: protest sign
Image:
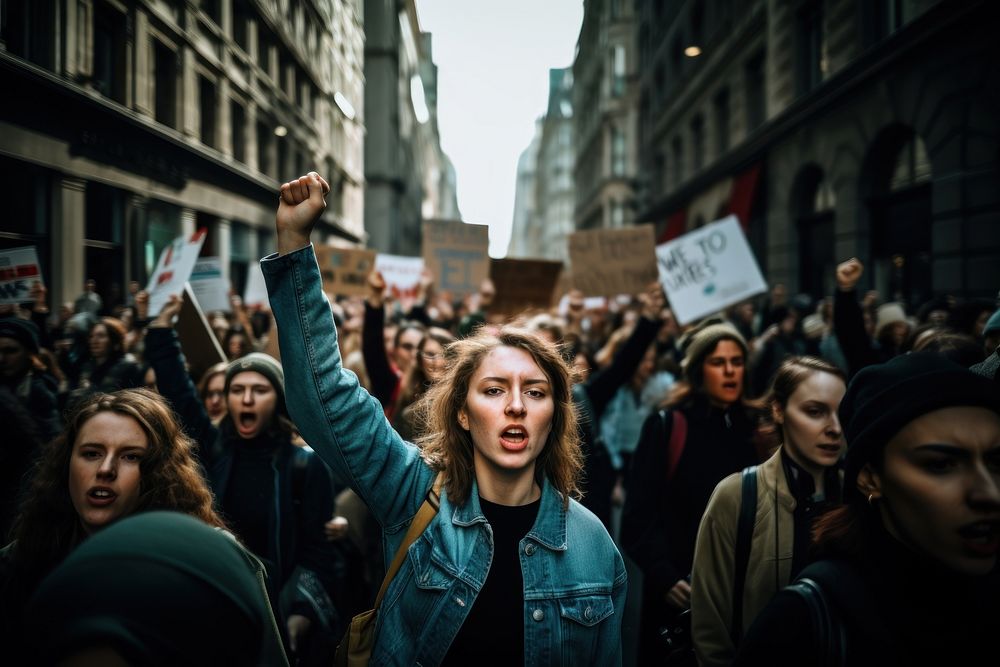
x: 345, y: 270
x: 173, y: 270
x: 608, y: 262
x: 522, y: 284
x: 401, y: 274
x: 708, y: 269
x: 19, y: 271
x: 208, y: 284
x: 457, y: 255
x: 255, y: 290
x: 198, y: 342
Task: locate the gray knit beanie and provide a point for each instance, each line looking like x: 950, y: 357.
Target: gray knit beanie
x: 702, y: 340
x: 264, y: 364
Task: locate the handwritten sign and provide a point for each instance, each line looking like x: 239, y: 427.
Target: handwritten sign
x: 401, y: 274
x: 345, y: 270
x: 457, y: 254
x: 608, y: 262
x: 209, y: 285
x: 708, y: 269
x: 19, y: 271
x: 523, y: 284
x: 173, y: 270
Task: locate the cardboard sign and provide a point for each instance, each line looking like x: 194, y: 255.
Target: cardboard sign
x: 19, y: 271
x: 401, y: 274
x: 457, y: 254
x: 173, y: 270
x: 708, y: 269
x: 608, y: 262
x: 208, y: 284
x: 255, y: 290
x: 345, y: 270
x: 523, y: 284
x: 201, y: 349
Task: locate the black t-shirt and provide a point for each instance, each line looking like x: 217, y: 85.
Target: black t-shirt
x: 493, y: 632
x: 249, y: 500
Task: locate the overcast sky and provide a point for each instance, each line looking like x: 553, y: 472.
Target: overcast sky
x: 493, y: 60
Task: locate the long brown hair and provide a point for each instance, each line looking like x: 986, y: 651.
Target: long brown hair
x: 415, y: 381
x: 48, y: 528
x: 792, y: 372
x: 448, y: 447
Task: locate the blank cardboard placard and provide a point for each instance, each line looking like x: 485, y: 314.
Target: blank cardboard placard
x: 345, y: 270
x: 457, y: 254
x: 523, y: 284
x: 608, y: 262
x: 198, y: 342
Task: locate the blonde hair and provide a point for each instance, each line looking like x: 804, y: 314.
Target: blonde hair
x: 448, y: 447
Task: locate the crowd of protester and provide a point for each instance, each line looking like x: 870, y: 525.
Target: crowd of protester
x: 849, y: 430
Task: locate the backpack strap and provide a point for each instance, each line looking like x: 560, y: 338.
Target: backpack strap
x: 828, y: 629
x: 744, y: 534
x: 678, y: 437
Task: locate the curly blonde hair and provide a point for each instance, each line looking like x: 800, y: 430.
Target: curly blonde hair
x: 448, y: 447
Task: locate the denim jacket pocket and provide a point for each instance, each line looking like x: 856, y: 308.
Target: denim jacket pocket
x: 430, y: 571
x: 586, y: 610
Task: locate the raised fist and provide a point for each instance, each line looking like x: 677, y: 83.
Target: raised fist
x: 301, y: 203
x: 848, y: 273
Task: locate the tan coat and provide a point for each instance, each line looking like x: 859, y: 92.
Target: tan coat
x: 768, y: 571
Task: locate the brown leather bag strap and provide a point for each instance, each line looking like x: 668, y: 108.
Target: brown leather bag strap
x: 421, y: 520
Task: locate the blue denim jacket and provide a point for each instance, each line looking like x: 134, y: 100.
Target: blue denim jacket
x: 574, y: 577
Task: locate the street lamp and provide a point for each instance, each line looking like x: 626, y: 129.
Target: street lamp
x: 280, y: 131
x: 692, y: 51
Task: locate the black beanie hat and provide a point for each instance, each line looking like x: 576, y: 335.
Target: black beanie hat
x: 23, y: 331
x: 884, y: 398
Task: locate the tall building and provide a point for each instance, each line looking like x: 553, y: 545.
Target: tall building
x: 525, y: 225
x: 604, y: 108
x: 408, y: 177
x: 128, y: 122
x: 832, y: 129
x: 555, y: 195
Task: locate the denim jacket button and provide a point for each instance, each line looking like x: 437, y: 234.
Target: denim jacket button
x: 588, y: 613
x: 538, y: 614
x: 529, y: 549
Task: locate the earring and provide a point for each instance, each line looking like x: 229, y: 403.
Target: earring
x: 871, y: 499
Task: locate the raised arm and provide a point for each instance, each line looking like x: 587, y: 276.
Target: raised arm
x: 339, y: 419
x: 163, y: 352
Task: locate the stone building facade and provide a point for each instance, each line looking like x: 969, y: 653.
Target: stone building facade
x: 831, y: 128
x: 128, y: 122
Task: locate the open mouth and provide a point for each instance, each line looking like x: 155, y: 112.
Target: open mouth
x: 514, y: 438
x: 981, y: 538
x: 101, y: 497
x: 830, y: 449
x: 247, y: 421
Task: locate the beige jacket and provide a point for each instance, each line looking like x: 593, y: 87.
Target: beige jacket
x: 768, y: 571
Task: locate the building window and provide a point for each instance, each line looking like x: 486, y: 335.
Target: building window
x: 241, y: 17
x: 618, y: 70
x: 208, y: 106
x: 721, y: 113
x: 109, y: 52
x: 808, y: 47
x: 618, y: 151
x: 239, y: 253
x: 212, y: 10
x: 264, y: 48
x: 882, y: 18
x: 164, y: 84
x: 104, y: 255
x: 677, y: 148
x: 265, y: 163
x: 238, y: 120
x: 617, y: 214
x: 755, y: 92
x: 26, y: 29
x: 697, y: 143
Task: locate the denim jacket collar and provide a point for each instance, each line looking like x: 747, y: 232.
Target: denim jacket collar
x: 550, y: 526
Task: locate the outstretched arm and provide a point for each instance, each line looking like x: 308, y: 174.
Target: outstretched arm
x: 339, y: 419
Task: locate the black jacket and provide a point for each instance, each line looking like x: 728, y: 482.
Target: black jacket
x: 895, y: 608
x: 302, y: 486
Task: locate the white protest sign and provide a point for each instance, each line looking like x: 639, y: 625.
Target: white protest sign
x: 19, y: 270
x: 401, y: 274
x: 209, y: 285
x: 255, y: 291
x: 708, y: 269
x: 173, y: 270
